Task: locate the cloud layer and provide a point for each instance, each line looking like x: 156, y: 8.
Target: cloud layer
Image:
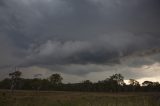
x: 71, y: 35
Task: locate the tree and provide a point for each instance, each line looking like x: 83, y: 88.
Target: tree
x: 36, y: 84
x: 15, y: 77
x: 115, y: 82
x: 151, y: 86
x: 147, y: 83
x: 118, y: 78
x: 87, y: 82
x: 55, y: 79
x: 86, y: 85
x: 5, y: 84
x: 133, y: 82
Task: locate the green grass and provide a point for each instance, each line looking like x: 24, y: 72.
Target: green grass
x: 31, y: 98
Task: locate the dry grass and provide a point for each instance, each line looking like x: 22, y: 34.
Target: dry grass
x: 33, y: 98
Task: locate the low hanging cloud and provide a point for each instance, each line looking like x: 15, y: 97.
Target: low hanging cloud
x: 79, y: 36
x: 106, y: 49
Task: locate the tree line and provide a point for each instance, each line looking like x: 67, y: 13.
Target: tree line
x: 114, y: 83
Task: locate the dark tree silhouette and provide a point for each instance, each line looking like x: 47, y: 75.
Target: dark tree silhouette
x: 15, y: 78
x: 133, y: 82
x: 55, y: 79
x: 147, y: 83
x: 87, y: 85
x: 114, y: 83
x: 118, y: 78
x: 133, y: 85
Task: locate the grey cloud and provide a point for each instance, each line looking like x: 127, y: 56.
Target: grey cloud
x: 8, y: 53
x: 2, y: 3
x: 107, y: 49
x: 64, y: 32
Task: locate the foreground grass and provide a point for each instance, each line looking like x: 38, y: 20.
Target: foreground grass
x: 31, y: 98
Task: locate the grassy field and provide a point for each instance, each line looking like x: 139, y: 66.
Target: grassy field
x: 31, y: 98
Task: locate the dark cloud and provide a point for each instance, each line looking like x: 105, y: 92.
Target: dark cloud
x: 60, y: 32
x: 2, y: 3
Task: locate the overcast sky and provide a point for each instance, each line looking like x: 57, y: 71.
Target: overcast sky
x: 81, y: 39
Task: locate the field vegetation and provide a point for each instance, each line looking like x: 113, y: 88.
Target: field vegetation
x: 34, y: 98
x: 52, y: 92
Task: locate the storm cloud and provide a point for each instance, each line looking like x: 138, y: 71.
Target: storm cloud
x: 71, y: 35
